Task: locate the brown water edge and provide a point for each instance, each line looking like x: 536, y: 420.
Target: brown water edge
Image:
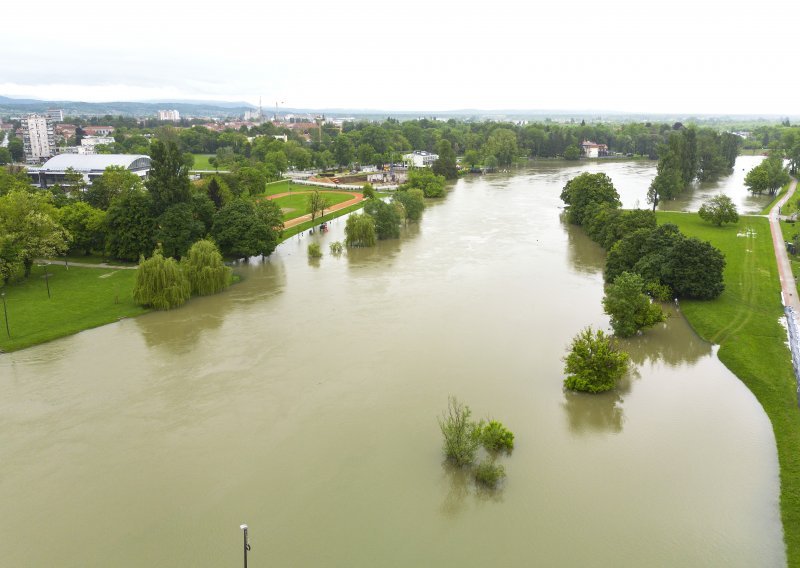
x: 304, y: 402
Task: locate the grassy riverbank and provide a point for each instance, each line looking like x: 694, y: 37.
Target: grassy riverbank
x: 744, y: 321
x: 80, y: 298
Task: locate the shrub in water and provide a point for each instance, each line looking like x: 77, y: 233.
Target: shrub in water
x: 489, y: 473
x: 461, y: 435
x: 496, y: 437
x: 314, y: 251
x: 593, y: 363
x: 336, y: 248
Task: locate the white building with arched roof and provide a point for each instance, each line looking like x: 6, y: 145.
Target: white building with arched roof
x: 90, y: 166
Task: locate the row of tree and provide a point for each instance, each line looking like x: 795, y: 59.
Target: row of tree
x: 381, y: 220
x: 645, y: 262
x: 691, y: 154
x: 665, y: 258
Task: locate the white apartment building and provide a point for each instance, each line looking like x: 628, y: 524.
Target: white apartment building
x: 89, y: 142
x: 38, y: 138
x: 172, y: 115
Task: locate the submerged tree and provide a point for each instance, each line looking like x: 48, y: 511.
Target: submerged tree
x: 205, y: 270
x: 360, y: 231
x: 160, y: 283
x: 593, y: 363
x: 462, y: 436
x: 387, y: 218
x: 769, y: 176
x: 583, y: 192
x: 413, y: 201
x: 629, y: 307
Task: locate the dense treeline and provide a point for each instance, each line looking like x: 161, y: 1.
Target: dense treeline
x: 125, y: 218
x: 493, y: 144
x: 669, y: 263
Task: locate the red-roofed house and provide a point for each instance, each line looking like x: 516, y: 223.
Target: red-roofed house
x: 592, y: 150
x: 98, y: 130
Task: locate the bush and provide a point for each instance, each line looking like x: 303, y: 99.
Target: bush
x: 160, y: 283
x: 204, y: 269
x: 489, y: 473
x: 496, y: 437
x: 461, y: 435
x: 593, y: 363
x: 336, y: 248
x: 368, y: 191
x: 314, y: 250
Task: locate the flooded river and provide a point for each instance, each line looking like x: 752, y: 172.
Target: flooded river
x: 304, y: 400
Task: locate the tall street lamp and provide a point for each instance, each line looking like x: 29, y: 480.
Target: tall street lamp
x: 246, y: 544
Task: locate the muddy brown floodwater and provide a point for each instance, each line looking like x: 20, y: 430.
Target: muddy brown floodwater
x: 303, y: 402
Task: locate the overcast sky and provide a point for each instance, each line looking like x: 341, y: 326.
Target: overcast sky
x: 703, y: 56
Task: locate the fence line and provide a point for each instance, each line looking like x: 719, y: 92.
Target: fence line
x: 794, y: 344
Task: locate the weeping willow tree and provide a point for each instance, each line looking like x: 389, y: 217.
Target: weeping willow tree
x: 160, y: 283
x: 204, y: 269
x: 360, y: 231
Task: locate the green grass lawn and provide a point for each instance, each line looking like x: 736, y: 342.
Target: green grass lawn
x: 280, y: 186
x: 298, y: 204
x: 81, y: 298
x: 744, y: 321
x: 789, y: 208
x: 201, y: 162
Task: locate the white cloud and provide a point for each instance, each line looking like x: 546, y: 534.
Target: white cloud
x: 617, y: 55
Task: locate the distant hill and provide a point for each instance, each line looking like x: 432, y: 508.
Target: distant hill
x: 232, y: 109
x: 215, y: 109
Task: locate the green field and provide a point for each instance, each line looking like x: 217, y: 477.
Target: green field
x: 81, y: 298
x: 297, y: 205
x: 280, y: 186
x: 201, y: 162
x: 744, y: 321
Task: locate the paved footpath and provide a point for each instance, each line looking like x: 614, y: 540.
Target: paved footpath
x: 83, y: 264
x: 788, y: 285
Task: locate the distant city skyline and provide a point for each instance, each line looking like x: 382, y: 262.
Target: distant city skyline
x: 623, y: 56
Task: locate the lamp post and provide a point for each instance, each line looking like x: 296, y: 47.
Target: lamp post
x: 46, y: 281
x: 5, y: 313
x: 246, y: 544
